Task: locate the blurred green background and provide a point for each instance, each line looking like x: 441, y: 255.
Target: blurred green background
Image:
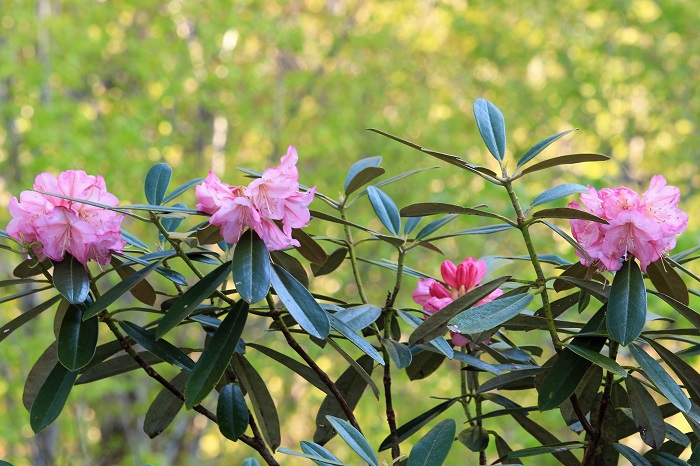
x: 113, y: 86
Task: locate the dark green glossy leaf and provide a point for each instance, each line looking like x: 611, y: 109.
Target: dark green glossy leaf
x: 322, y: 460
x: 250, y: 462
x: 363, y: 177
x: 118, y: 291
x: 157, y: 181
x: 489, y: 315
x: 359, y: 317
x: 143, y: 291
x: 330, y: 218
x: 681, y: 308
x: 161, y: 348
x: 251, y: 268
x: 115, y: 366
x: 694, y: 459
x: 358, y: 167
x: 503, y: 450
x: 7, y: 329
x: 356, y: 339
x: 557, y: 192
x: 543, y: 450
x: 411, y: 224
x: 545, y: 437
x: 685, y: 372
x: 51, y: 397
x: 232, y: 412
x: 263, y: 404
x: 309, y: 248
x: 666, y: 459
x: 292, y: 265
x: 417, y: 422
x: 436, y: 325
x: 164, y: 407
x: 31, y: 268
x: 667, y: 281
x: 431, y: 208
x: 398, y: 352
x: 487, y: 230
x: 335, y: 260
x: 434, y: 226
x: 423, y: 364
x: 357, y: 366
x: 632, y: 456
x: 71, y: 280
x: 77, y: 338
x: 540, y: 146
x: 191, y: 298
x: 181, y: 189
x: 385, y: 208
x: 599, y: 360
x: 317, y: 450
x: 38, y: 374
x: 215, y: 358
x: 476, y: 438
x: 439, y: 343
x: 492, y: 127
x: 660, y: 378
x: 433, y: 448
x: 627, y: 304
x: 567, y: 238
x: 295, y: 366
x: 568, y: 213
x: 565, y: 160
x: 506, y: 379
x: 476, y: 363
x: 354, y: 439
x: 300, y: 303
x: 647, y: 415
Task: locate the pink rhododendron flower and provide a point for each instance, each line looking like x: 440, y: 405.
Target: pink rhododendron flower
x: 266, y: 203
x: 63, y: 226
x: 461, y: 279
x: 644, y: 227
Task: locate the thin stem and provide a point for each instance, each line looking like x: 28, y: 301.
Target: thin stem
x: 466, y: 394
x: 353, y: 255
x: 312, y: 364
x: 390, y: 413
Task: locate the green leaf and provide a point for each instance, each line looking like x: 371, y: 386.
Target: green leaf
x: 646, y: 413
x: 118, y: 291
x: 316, y: 459
x: 232, y: 412
x: 115, y: 366
x: 356, y: 339
x: 423, y: 364
x: 681, y: 308
x: 411, y: 225
x: 335, y: 260
x: 354, y: 439
x: 504, y: 450
x: 181, y: 189
x: 161, y: 348
x: 215, y: 358
x: 357, y: 167
x: 292, y: 265
x: 7, y: 329
x: 386, y: 210
x: 363, y: 177
x: 300, y: 303
x: 492, y: 127
x: 565, y: 160
x: 489, y: 315
x: 568, y: 213
x: 71, y: 280
x: 507, y: 379
x: 191, y: 298
x: 694, y: 459
x: 143, y: 291
x: 359, y: 317
x: 557, y: 192
x: 295, y: 366
x: 164, y: 407
x: 412, y: 426
x: 433, y: 448
x: 311, y: 448
x: 398, y: 352
x: 263, y: 404
x: 632, y: 456
x: 251, y: 267
x: 434, y: 226
x: 157, y: 181
x: 660, y: 378
x: 540, y: 146
x: 439, y: 343
x: 599, y: 360
x: 666, y: 459
x: 627, y: 304
x: 51, y: 397
x: 77, y: 338
x: 250, y: 462
x: 545, y: 437
x: 436, y: 325
x: 422, y: 209
x: 667, y: 281
x: 685, y: 372
x: 545, y: 449
x: 476, y: 438
x: 475, y: 362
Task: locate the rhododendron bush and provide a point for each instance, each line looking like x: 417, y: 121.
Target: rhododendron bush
x: 615, y: 310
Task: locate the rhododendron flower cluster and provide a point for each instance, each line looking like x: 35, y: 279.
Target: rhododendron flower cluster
x: 63, y: 226
x: 644, y: 227
x: 272, y: 198
x: 460, y: 279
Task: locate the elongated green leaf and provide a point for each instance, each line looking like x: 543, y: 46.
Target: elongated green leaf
x: 509, y: 378
x: 143, y: 291
x: 627, y: 304
x: 599, y: 360
x: 232, y: 412
x: 423, y: 364
x: 357, y: 167
x: 7, y: 329
x: 417, y: 422
x: 667, y: 281
x: 632, y: 456
x: 476, y: 363
x: 565, y: 160
x: 71, y: 280
x: 411, y: 224
x: 322, y: 460
x: 666, y: 459
x: 476, y: 438
x: 354, y: 439
x: 164, y: 407
x: 543, y: 450
x: 51, y: 397
x: 439, y: 343
x: 489, y: 315
x: 292, y: 265
x: 385, y: 208
x: 216, y: 356
x: 398, y: 352
x: 77, y: 338
x: 658, y: 376
x: 682, y: 309
x: 181, y: 189
x: 115, y: 366
x: 356, y: 339
x: 191, y: 298
x: 487, y: 230
x: 161, y: 348
x: 330, y: 218
x: 118, y: 291
x: 436, y: 325
x: 492, y: 127
x: 433, y: 448
x: 359, y: 317
x: 434, y: 226
x: 300, y: 303
x: 546, y: 438
x: 569, y: 213
x: 251, y: 267
x: 504, y: 450
x: 295, y: 366
x: 431, y: 208
x: 647, y: 415
x: 157, y: 181
x: 318, y: 451
x: 540, y: 146
x: 250, y: 462
x: 363, y: 177
x: 688, y: 375
x: 557, y: 192
x: 263, y: 404
x: 335, y: 260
